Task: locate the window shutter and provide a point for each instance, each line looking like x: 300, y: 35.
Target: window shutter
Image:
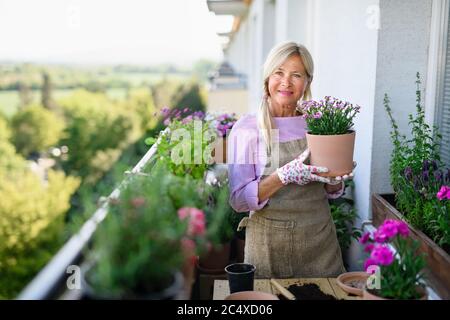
x: 443, y: 120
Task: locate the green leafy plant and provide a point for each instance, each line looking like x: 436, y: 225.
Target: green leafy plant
x: 138, y: 247
x: 329, y: 116
x: 344, y: 214
x: 187, y: 143
x: 416, y: 173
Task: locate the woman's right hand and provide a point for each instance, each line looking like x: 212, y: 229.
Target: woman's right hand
x: 298, y: 172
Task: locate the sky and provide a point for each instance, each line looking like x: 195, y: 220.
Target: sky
x: 110, y: 31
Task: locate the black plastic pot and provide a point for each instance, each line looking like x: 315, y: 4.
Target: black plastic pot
x: 240, y: 276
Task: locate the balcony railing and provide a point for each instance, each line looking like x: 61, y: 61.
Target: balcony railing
x: 51, y: 281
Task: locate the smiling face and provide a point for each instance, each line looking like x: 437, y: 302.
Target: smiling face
x: 286, y: 86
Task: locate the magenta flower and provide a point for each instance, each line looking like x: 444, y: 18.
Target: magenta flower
x: 369, y: 247
x: 380, y: 237
x: 365, y: 237
x: 444, y: 193
x: 382, y: 255
x: 388, y: 229
x: 369, y: 262
x: 402, y: 228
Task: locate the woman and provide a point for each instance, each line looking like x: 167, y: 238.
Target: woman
x: 290, y: 233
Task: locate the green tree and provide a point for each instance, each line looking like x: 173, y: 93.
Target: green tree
x: 189, y: 96
x: 97, y: 132
x: 46, y: 92
x: 35, y: 129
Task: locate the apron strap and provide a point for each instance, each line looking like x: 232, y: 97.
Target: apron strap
x: 242, y: 224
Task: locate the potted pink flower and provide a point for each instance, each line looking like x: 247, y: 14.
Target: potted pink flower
x: 330, y: 136
x: 394, y: 254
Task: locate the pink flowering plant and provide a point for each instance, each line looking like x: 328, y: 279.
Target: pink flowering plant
x: 223, y: 123
x: 392, y: 250
x: 330, y: 116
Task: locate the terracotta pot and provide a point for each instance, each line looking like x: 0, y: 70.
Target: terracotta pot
x: 215, y: 260
x: 251, y: 295
x: 372, y: 296
x: 188, y: 271
x: 332, y: 151
x: 353, y: 282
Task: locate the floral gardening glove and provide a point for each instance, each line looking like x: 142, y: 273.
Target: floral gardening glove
x: 298, y: 172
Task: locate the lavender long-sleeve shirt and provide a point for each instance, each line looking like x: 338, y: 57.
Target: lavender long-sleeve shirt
x: 247, y: 158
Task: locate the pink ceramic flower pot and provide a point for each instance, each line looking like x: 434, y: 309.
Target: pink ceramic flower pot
x: 332, y: 151
x: 371, y: 296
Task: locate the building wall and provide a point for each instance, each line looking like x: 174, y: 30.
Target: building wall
x: 403, y: 51
x: 228, y: 101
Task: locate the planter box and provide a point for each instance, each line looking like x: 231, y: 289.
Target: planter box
x: 438, y: 261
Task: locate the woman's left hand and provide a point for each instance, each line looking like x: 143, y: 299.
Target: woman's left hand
x: 337, y: 180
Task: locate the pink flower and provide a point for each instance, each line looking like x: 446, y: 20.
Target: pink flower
x: 402, y: 228
x: 317, y: 115
x: 196, y: 224
x: 188, y: 244
x: 388, y: 229
x: 444, y: 193
x: 137, y: 202
x: 365, y: 237
x: 382, y: 255
x: 369, y: 262
x: 183, y: 213
x: 380, y: 237
x: 369, y: 247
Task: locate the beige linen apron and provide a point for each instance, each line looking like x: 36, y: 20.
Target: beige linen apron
x: 293, y: 236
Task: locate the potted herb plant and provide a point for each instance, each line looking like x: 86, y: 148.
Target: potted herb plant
x: 330, y: 136
x: 400, y: 265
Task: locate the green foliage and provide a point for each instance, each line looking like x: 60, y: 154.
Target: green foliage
x: 140, y: 102
x: 35, y: 129
x: 219, y: 216
x: 399, y: 280
x: 138, y: 246
x: 31, y: 223
x: 416, y: 175
x: 344, y: 214
x: 186, y: 147
x: 97, y: 132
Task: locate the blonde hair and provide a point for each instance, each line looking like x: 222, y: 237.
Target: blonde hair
x: 277, y: 56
